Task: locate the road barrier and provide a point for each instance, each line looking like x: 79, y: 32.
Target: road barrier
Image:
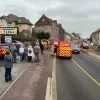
x: 84, y: 51
x: 94, y: 56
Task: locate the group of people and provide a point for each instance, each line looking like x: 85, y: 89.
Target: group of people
x: 25, y: 52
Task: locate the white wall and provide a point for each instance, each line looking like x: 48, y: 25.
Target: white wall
x: 3, y: 23
x: 53, y: 30
x: 24, y: 26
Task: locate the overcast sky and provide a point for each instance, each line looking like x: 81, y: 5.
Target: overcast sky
x: 82, y: 16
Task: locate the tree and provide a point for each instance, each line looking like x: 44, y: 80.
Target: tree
x: 42, y: 35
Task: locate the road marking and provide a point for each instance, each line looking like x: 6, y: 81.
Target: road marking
x: 93, y: 79
x: 91, y: 57
x: 48, y: 90
x: 53, y: 84
x: 14, y: 82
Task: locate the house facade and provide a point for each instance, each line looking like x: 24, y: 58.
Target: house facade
x: 96, y: 37
x: 62, y: 34
x: 23, y: 24
x: 46, y: 24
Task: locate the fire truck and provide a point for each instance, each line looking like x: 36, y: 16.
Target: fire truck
x: 64, y: 49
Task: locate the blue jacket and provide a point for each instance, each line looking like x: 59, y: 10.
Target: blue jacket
x: 8, y: 61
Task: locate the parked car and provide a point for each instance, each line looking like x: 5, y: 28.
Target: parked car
x: 3, y: 49
x: 75, y: 49
x: 85, y: 46
x: 17, y: 42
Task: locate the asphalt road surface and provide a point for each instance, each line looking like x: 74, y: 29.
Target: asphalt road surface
x: 78, y: 79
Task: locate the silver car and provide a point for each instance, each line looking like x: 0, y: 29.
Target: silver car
x: 75, y: 49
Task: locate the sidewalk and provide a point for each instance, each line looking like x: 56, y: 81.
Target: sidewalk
x: 90, y: 54
x: 26, y: 87
x: 17, y: 69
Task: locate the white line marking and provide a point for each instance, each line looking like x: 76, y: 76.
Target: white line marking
x: 48, y: 91
x: 14, y: 82
x: 53, y: 86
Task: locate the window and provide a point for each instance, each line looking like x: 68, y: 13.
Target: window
x: 96, y: 35
x: 43, y: 19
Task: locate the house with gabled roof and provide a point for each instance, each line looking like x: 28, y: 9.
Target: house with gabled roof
x: 23, y: 24
x: 46, y: 24
x: 95, y: 36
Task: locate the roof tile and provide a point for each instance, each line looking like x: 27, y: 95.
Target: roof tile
x: 13, y: 18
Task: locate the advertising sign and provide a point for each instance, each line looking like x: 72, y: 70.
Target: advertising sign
x: 8, y: 30
x: 8, y: 39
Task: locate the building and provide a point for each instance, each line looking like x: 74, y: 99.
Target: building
x: 46, y: 24
x: 23, y: 24
x: 61, y: 33
x: 95, y: 36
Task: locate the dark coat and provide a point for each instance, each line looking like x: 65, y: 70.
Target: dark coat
x: 41, y: 47
x: 8, y: 61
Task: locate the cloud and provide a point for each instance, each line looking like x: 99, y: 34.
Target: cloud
x: 75, y: 15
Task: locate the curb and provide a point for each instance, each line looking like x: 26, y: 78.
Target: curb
x: 91, y: 55
x: 51, y: 93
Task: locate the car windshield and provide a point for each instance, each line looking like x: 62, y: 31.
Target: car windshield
x: 74, y: 47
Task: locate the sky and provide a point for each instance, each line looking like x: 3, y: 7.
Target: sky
x: 80, y: 16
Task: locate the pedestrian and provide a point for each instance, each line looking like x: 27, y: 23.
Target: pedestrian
x: 36, y: 50
x: 30, y: 53
x: 25, y: 53
x: 52, y: 50
x: 42, y: 48
x: 21, y: 52
x: 8, y: 64
x: 13, y: 50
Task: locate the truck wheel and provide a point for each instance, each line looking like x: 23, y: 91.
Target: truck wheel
x: 70, y: 57
x: 57, y: 56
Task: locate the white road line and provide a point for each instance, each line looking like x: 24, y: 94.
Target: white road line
x: 14, y: 82
x: 53, y: 86
x: 48, y: 91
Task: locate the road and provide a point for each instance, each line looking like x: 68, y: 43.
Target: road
x: 78, y: 79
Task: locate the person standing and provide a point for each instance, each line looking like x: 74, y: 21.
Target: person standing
x: 52, y: 50
x: 36, y: 50
x: 13, y: 50
x: 21, y: 52
x: 30, y: 53
x: 42, y: 48
x: 25, y: 52
x: 8, y: 64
